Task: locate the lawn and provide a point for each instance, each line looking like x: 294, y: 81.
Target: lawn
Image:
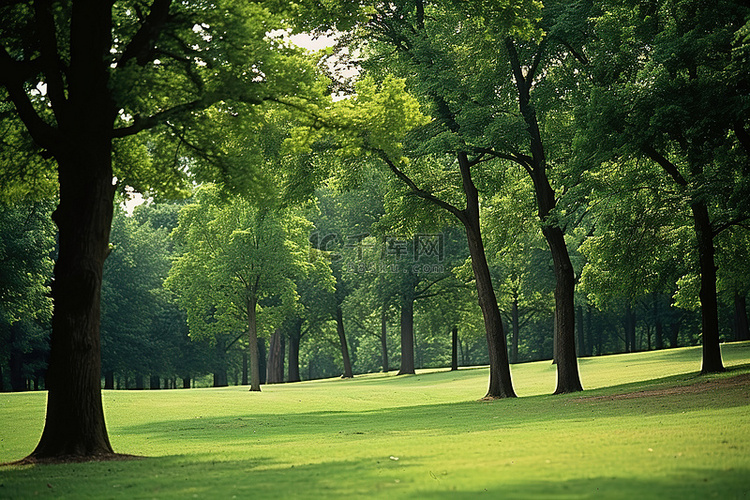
x: 646, y: 427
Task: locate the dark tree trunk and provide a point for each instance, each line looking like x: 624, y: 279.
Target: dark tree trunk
x: 500, y: 384
x: 295, y: 337
x: 342, y: 340
x: 674, y: 334
x: 245, y: 368
x: 630, y: 321
x: 139, y: 385
x: 741, y: 331
x: 454, y: 348
x: 658, y: 325
x: 712, y: 362
x: 109, y: 379
x: 74, y: 424
x: 186, y: 382
x: 17, y: 382
x: 252, y: 344
x: 384, y: 337
x: 275, y: 364
x: 581, y: 332
x: 407, y: 332
x: 516, y: 328
x: 154, y: 382
x: 568, y: 379
x: 262, y: 360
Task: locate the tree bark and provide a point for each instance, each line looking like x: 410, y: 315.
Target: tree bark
x: 295, y: 335
x: 275, y: 364
x: 516, y: 328
x: 741, y: 331
x: 407, y: 332
x: 712, y: 362
x: 342, y: 340
x: 454, y: 348
x: 500, y: 384
x: 252, y: 343
x: 568, y: 379
x: 384, y: 337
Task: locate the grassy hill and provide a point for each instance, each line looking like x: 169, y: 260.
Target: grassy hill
x: 646, y: 427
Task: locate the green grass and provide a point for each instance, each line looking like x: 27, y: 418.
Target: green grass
x: 423, y: 436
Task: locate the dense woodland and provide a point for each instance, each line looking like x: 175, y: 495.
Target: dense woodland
x: 446, y: 184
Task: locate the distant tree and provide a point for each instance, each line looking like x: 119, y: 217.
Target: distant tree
x: 239, y: 260
x: 27, y: 246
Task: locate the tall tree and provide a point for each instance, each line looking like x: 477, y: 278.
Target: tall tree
x: 670, y: 86
x: 82, y: 74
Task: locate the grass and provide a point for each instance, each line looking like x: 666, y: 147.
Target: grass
x: 423, y: 436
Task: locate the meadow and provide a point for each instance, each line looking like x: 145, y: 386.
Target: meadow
x: 647, y: 426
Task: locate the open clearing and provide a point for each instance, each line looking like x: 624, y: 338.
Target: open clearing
x: 646, y: 427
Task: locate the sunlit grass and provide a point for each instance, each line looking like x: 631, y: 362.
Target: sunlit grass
x: 422, y: 436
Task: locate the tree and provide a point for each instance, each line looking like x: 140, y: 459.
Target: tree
x: 668, y: 87
x: 26, y: 252
x: 239, y: 261
x: 81, y: 75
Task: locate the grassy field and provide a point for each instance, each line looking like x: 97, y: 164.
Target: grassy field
x: 646, y: 427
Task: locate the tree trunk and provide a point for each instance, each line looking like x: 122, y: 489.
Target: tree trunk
x: 741, y: 331
x: 342, y: 340
x: 245, y: 368
x: 384, y: 337
x: 252, y: 343
x: 275, y: 364
x: 516, y: 328
x: 500, y: 384
x: 109, y: 379
x: 186, y: 382
x: 581, y: 332
x: 630, y: 321
x: 407, y: 332
x: 712, y: 362
x: 295, y: 336
x: 454, y: 348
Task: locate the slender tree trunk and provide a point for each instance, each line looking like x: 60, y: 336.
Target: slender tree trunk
x: 741, y: 330
x: 252, y: 343
x: 629, y: 328
x: 516, y: 328
x: 186, y: 382
x: 407, y: 333
x: 454, y: 348
x: 245, y: 369
x: 275, y: 364
x: 295, y: 336
x: 342, y: 340
x: 581, y: 332
x: 712, y: 362
x: 500, y: 384
x: 109, y: 379
x: 384, y: 337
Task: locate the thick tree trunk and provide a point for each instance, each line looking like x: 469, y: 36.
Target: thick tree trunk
x: 407, y: 333
x: 295, y: 337
x: 384, y: 337
x: 74, y: 426
x: 252, y: 344
x: 741, y: 330
x: 342, y: 340
x: 454, y: 348
x: 186, y: 382
x: 712, y: 362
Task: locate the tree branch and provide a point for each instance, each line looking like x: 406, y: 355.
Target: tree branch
x: 143, y: 42
x: 667, y: 165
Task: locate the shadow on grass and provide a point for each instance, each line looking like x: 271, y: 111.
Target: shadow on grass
x: 669, y: 396
x: 203, y: 477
